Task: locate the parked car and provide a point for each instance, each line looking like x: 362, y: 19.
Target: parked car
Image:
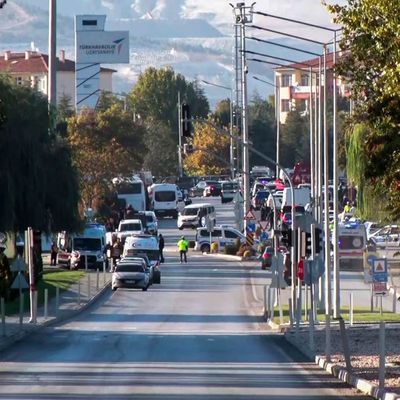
x: 223, y: 235
x: 389, y: 235
x: 228, y: 190
x: 266, y: 258
x: 198, y: 190
x: 212, y: 190
x: 128, y: 227
x: 130, y: 274
x: 151, y: 223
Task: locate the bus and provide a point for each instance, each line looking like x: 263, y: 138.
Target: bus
x: 132, y: 191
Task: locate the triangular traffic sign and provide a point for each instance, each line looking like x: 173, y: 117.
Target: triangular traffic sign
x: 379, y: 267
x: 20, y: 282
x: 250, y: 215
x: 263, y: 225
x: 18, y: 265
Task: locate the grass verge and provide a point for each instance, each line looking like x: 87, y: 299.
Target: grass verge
x: 360, y: 315
x: 51, y: 281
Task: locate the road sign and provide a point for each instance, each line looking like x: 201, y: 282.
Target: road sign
x: 313, y: 270
x: 251, y: 227
x: 18, y: 265
x: 20, y: 282
x: 250, y: 215
x: 379, y: 270
x: 264, y: 236
x: 263, y: 225
x: 379, y: 288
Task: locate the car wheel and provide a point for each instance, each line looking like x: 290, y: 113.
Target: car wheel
x: 205, y: 248
x: 145, y: 289
x: 113, y: 288
x: 263, y: 266
x: 180, y: 228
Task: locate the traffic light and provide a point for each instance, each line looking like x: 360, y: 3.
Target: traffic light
x: 286, y: 238
x: 308, y: 244
x: 185, y: 117
x: 318, y: 240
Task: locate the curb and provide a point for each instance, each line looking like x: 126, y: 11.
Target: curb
x: 230, y: 257
x: 53, y: 320
x: 362, y: 385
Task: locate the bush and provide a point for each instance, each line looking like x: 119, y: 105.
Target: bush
x: 231, y: 249
x: 214, y: 247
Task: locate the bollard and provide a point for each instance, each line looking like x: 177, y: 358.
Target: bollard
x: 280, y: 307
x: 372, y: 300
x: 21, y: 308
x: 381, y: 305
x: 88, y: 285
x: 351, y: 310
x: 382, y: 355
x: 305, y: 303
x: 57, y: 300
x: 270, y: 308
x: 290, y: 313
x: 104, y: 272
x: 328, y: 337
x: 311, y: 332
x: 86, y: 264
x: 97, y: 279
x: 46, y: 299
x: 265, y: 301
x: 395, y: 301
x: 345, y: 344
x: 3, y: 316
x: 79, y: 293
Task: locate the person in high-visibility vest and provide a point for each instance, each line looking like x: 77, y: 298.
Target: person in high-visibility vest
x: 183, y: 247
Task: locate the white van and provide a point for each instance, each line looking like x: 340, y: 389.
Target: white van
x: 223, y: 235
x: 164, y: 199
x: 194, y: 215
x: 142, y: 244
x: 302, y: 196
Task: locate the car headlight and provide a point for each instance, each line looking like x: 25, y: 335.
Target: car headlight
x: 100, y: 256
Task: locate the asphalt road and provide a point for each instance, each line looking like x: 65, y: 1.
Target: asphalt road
x: 198, y: 335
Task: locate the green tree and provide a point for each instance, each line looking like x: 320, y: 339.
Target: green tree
x: 222, y: 113
x: 155, y: 96
x: 370, y: 63
x: 295, y: 140
x: 161, y: 157
x: 262, y: 129
x: 38, y: 183
x: 105, y: 144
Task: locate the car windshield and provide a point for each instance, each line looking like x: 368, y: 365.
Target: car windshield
x: 149, y: 218
x: 87, y: 244
x: 165, y: 196
x: 129, y: 268
x: 262, y: 194
x: 153, y: 255
x: 229, y: 186
x: 189, y: 211
x: 131, y: 227
x: 129, y: 188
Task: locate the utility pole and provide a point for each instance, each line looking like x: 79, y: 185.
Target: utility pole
x: 52, y: 78
x: 243, y: 15
x: 180, y: 168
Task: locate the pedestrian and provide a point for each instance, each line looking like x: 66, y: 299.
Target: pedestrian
x: 183, y: 247
x: 53, y: 253
x: 161, y: 247
x: 5, y: 273
x: 347, y: 208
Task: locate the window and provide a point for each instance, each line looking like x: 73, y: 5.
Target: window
x: 129, y: 268
x: 129, y: 188
x: 165, y: 196
x: 305, y: 81
x: 231, y: 235
x: 286, y: 80
x: 285, y: 105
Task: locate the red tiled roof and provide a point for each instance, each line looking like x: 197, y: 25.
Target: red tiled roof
x: 309, y: 63
x: 37, y: 63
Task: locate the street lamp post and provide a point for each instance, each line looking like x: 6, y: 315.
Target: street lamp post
x: 52, y: 77
x: 231, y: 147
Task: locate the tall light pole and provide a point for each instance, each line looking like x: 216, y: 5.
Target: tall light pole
x: 243, y: 16
x: 231, y: 147
x: 52, y: 77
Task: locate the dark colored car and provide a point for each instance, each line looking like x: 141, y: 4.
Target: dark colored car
x: 213, y: 190
x: 266, y: 259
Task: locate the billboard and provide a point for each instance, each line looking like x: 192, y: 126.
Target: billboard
x: 110, y: 47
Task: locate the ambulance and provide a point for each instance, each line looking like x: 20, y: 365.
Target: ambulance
x: 352, y: 246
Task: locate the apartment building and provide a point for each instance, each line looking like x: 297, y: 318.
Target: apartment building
x: 297, y: 85
x: 31, y: 68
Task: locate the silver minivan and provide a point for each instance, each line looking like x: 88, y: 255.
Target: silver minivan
x: 195, y: 215
x: 228, y: 190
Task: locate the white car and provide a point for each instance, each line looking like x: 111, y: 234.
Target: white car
x: 128, y: 227
x: 222, y: 234
x: 195, y: 215
x: 132, y: 274
x: 389, y: 235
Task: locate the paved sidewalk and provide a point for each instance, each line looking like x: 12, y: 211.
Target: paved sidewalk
x: 71, y: 301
